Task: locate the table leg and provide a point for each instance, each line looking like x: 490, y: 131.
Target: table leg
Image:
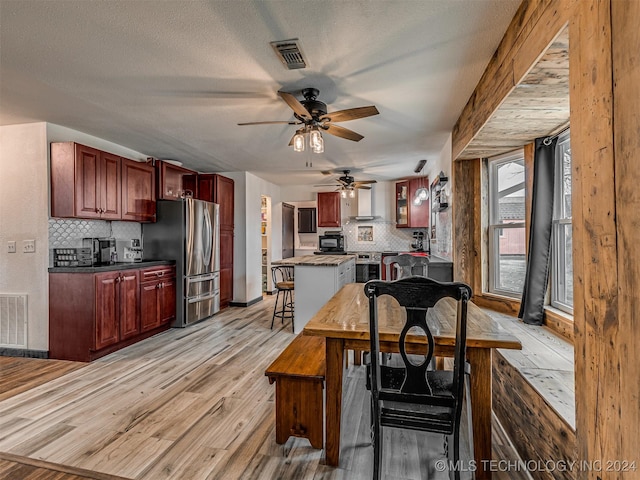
x: 480, y: 359
x: 333, y: 392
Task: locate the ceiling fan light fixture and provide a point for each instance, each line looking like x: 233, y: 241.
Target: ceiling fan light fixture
x: 343, y: 193
x: 421, y: 193
x: 352, y: 193
x: 298, y: 141
x: 317, y: 145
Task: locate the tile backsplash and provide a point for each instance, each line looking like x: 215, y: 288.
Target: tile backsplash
x: 384, y: 236
x: 68, y: 233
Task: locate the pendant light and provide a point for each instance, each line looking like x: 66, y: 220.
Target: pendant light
x: 298, y: 141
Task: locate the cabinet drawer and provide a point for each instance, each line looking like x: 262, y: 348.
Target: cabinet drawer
x: 155, y: 273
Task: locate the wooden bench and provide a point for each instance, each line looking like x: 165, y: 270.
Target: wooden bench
x: 299, y: 374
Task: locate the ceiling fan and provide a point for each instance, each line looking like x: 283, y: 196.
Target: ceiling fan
x: 312, y: 113
x: 347, y: 183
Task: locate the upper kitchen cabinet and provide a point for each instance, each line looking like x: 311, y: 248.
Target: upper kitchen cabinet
x: 138, y: 191
x: 175, y: 181
x: 218, y: 189
x: 89, y: 183
x: 409, y: 212
x: 85, y: 182
x: 328, y: 209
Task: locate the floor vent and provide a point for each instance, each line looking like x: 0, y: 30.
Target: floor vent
x: 13, y: 320
x: 290, y: 53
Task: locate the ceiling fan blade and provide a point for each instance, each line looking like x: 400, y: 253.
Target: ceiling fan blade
x: 295, y: 104
x: 350, y: 114
x: 343, y: 132
x: 363, y: 187
x: 327, y: 185
x: 365, y: 182
x: 283, y: 122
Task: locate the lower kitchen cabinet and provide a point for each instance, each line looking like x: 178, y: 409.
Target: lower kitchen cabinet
x: 157, y: 297
x: 94, y: 314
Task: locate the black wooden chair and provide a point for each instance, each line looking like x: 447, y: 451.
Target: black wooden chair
x: 283, y: 280
x: 411, y: 396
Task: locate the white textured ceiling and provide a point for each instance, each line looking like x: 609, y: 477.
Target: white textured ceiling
x: 172, y: 79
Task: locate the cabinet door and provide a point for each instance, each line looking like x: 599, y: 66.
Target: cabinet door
x: 418, y: 213
x: 129, y: 305
x: 110, y: 183
x: 167, y: 305
x: 138, y: 191
x: 149, y: 294
x: 226, y: 266
x: 402, y: 207
x: 223, y: 195
x: 206, y: 187
x: 87, y: 182
x: 107, y: 309
x: 328, y: 209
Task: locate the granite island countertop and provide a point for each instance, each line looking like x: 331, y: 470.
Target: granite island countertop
x: 111, y: 268
x: 315, y: 260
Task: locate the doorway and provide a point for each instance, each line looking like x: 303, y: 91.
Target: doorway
x: 288, y: 231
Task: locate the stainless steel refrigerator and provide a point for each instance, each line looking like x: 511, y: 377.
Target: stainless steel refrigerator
x: 188, y: 231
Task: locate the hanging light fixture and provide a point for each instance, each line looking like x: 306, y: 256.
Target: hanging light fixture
x: 318, y: 146
x: 343, y: 193
x: 352, y: 193
x: 298, y: 141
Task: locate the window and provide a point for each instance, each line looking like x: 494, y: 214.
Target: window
x: 507, y: 263
x: 561, y: 240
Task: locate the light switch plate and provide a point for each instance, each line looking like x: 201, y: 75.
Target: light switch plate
x: 11, y: 246
x: 28, y: 246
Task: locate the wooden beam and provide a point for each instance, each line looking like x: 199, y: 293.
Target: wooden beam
x: 533, y: 29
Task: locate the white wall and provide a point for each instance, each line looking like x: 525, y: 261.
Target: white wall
x: 24, y: 181
x: 444, y: 220
x: 247, y: 261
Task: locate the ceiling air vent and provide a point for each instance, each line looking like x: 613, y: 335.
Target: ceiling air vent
x: 290, y: 53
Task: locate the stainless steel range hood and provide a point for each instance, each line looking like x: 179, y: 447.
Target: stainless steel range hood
x: 365, y: 211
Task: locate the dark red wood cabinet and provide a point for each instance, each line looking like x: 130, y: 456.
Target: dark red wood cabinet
x: 328, y: 209
x: 138, y: 191
x: 85, y: 182
x: 219, y: 189
x: 89, y: 183
x: 410, y: 214
x: 157, y: 297
x: 174, y: 181
x: 94, y: 314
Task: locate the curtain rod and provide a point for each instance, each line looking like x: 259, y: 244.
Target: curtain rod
x: 548, y: 138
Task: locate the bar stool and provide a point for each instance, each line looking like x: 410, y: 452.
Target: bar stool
x: 283, y: 281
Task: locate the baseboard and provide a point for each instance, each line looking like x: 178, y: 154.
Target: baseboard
x: 23, y: 352
x: 246, y: 304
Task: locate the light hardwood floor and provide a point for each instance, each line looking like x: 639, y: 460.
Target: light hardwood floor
x: 194, y: 404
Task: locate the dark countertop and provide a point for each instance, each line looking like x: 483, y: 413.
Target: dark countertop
x: 112, y: 268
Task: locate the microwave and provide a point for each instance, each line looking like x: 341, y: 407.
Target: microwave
x: 331, y: 242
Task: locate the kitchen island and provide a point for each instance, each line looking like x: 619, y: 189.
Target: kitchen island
x: 317, y: 279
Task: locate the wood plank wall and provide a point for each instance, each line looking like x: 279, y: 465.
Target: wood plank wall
x: 536, y: 430
x: 605, y: 130
x: 605, y: 78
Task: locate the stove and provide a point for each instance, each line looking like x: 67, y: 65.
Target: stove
x: 367, y: 266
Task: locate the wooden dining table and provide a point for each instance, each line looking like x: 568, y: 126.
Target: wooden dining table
x: 344, y: 322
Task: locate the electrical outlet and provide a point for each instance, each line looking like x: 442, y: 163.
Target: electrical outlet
x: 11, y: 246
x: 28, y: 246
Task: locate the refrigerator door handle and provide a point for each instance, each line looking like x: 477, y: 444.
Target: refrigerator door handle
x: 208, y: 237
